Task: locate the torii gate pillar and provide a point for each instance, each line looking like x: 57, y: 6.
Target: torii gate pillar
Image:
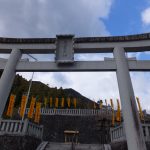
x: 7, y: 78
x: 133, y: 128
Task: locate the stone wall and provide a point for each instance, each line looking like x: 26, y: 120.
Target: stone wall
x: 91, y: 130
x: 18, y: 142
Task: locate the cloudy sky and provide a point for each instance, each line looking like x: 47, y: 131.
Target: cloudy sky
x: 46, y: 18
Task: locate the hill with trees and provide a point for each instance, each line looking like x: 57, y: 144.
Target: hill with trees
x: 42, y: 91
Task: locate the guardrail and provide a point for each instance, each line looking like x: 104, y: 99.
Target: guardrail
x: 118, y: 133
x: 75, y: 112
x: 21, y: 128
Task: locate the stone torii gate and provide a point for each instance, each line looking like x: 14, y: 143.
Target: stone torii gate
x: 64, y: 47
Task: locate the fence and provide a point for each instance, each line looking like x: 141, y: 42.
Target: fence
x: 20, y: 128
x: 118, y: 133
x: 75, y: 112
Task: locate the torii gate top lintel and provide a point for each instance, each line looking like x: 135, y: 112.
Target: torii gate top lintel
x: 135, y: 37
x: 131, y: 43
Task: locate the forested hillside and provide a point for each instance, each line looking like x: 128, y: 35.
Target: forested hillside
x: 42, y: 91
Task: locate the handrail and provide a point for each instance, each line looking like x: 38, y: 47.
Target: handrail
x: 18, y: 127
x: 42, y: 146
x: 118, y: 133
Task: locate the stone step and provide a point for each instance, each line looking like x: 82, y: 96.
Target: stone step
x: 65, y: 146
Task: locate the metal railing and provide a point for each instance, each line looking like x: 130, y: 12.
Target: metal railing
x: 75, y: 112
x: 78, y: 112
x: 20, y: 128
x: 118, y: 133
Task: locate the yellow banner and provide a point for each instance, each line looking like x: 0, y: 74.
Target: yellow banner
x: 94, y: 105
x: 68, y: 102
x: 118, y: 113
x: 140, y: 109
x: 113, y: 119
x: 112, y: 104
x: 113, y: 114
x: 37, y: 112
x: 45, y: 102
x: 62, y: 102
x: 51, y: 102
x: 31, y: 110
x: 11, y: 105
x: 106, y: 102
x: 75, y: 102
x: 101, y: 104
x: 56, y: 103
x: 23, y: 104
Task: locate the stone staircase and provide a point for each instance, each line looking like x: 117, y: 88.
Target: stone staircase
x: 69, y: 146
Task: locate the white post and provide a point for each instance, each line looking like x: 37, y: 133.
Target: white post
x: 133, y: 128
x: 146, y: 131
x: 11, y: 126
x: 7, y: 78
x: 28, y: 96
x: 7, y: 126
x: 25, y: 126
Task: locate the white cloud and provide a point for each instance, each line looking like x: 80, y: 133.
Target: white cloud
x: 146, y: 16
x: 142, y: 88
x: 46, y: 18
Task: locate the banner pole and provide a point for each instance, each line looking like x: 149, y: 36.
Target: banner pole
x: 28, y: 96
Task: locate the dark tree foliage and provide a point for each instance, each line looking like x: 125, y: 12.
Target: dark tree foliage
x: 41, y: 90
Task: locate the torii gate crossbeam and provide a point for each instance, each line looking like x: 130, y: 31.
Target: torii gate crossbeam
x: 64, y: 46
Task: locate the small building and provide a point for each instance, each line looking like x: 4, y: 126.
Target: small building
x: 71, y: 136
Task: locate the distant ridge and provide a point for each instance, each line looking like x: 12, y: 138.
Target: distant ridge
x: 41, y: 90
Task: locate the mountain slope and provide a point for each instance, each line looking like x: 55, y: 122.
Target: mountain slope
x: 41, y: 91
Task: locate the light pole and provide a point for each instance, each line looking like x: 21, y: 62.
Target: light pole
x: 29, y: 87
